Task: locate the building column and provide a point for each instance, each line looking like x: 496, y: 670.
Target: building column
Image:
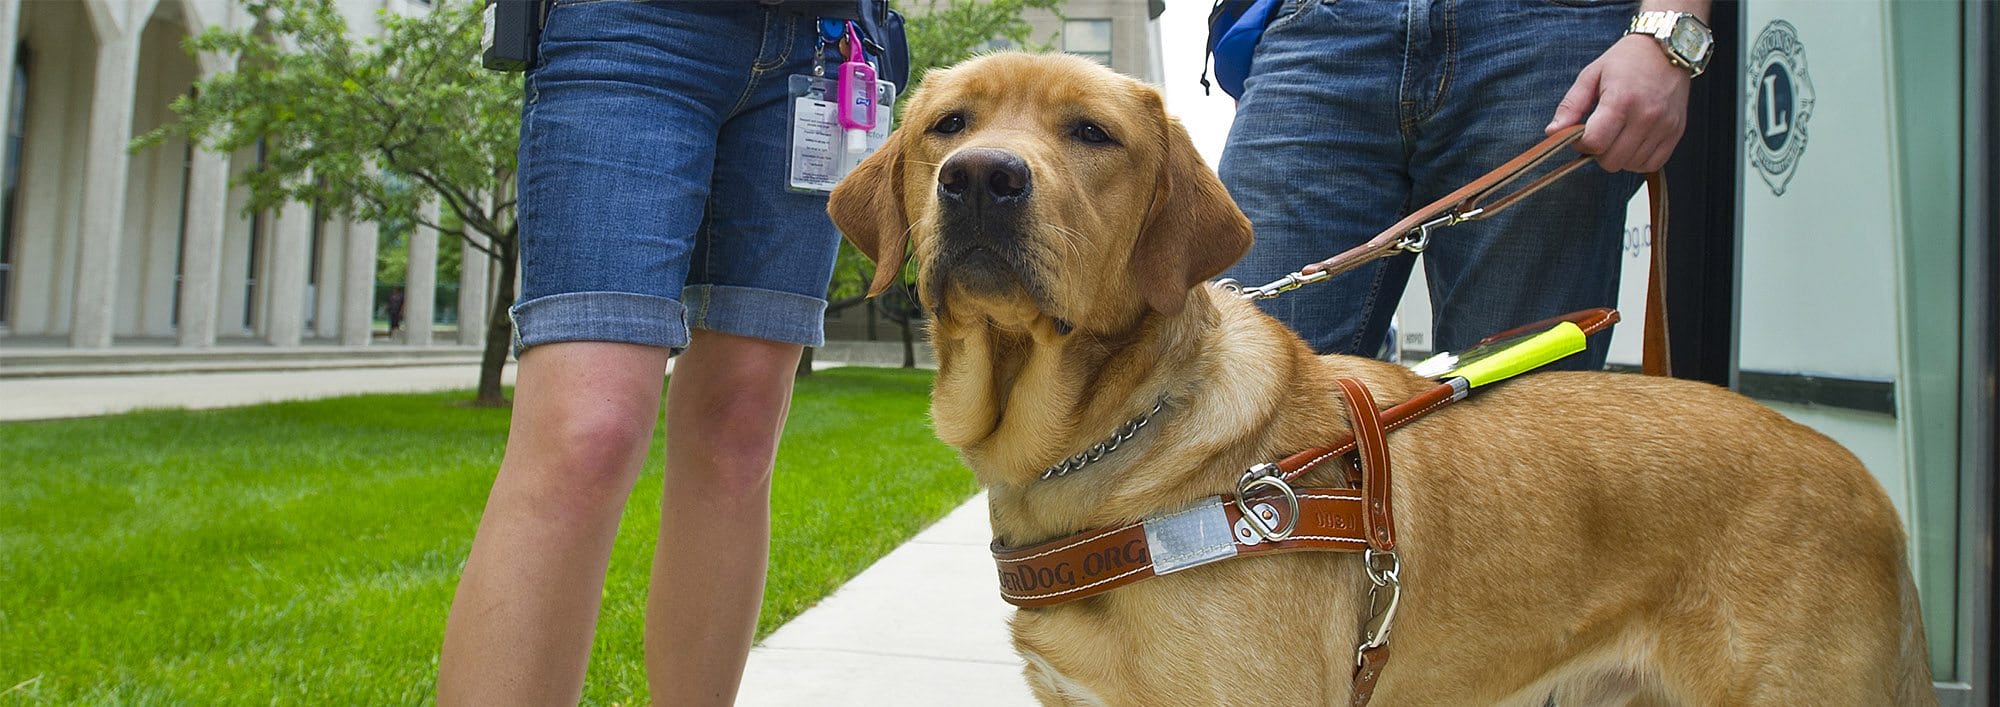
x: 357, y: 285
x: 106, y: 169
x: 285, y: 298
x: 10, y: 27
x: 473, y: 268
x: 201, y: 259
x: 420, y: 284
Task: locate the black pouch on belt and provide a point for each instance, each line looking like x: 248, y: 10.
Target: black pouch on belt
x: 513, y: 29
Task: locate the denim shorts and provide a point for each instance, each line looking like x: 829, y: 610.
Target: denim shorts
x: 1357, y: 113
x: 653, y: 158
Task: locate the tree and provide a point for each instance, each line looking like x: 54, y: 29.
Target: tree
x: 371, y: 129
x: 941, y: 33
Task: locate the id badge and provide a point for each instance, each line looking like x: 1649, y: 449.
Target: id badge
x: 820, y: 156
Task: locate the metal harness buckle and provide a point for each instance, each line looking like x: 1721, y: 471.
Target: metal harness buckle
x: 1267, y: 474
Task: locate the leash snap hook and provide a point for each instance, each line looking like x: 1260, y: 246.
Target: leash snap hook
x: 1266, y: 474
x: 1382, y: 602
x: 1416, y: 239
x: 1273, y: 288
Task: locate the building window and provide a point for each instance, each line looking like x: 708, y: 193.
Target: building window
x: 1091, y: 38
x: 180, y: 250
x: 257, y: 223
x: 312, y: 264
x: 10, y: 177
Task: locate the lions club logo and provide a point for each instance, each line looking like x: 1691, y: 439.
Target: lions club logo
x: 1780, y: 99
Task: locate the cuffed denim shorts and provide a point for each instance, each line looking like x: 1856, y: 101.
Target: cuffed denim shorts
x: 653, y: 158
x: 1357, y: 113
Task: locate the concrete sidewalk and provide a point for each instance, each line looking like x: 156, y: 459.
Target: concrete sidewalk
x: 923, y: 625
x: 37, y: 398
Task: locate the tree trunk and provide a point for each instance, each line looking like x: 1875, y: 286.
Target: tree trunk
x: 909, y: 341
x: 499, y: 329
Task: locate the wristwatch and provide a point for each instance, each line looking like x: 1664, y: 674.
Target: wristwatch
x: 1687, y: 41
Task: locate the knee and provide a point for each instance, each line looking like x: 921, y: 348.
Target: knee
x: 730, y: 451
x: 594, y: 457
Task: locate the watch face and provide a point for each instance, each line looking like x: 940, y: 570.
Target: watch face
x: 1689, y: 40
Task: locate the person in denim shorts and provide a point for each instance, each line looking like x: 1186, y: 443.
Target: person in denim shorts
x: 654, y: 217
x: 1357, y: 112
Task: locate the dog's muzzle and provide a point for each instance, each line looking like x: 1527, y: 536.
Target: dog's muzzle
x: 983, y: 197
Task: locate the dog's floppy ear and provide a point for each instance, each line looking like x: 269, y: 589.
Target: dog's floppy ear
x: 867, y: 207
x: 1192, y: 230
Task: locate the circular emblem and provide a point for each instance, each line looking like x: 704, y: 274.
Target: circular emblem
x: 1779, y: 95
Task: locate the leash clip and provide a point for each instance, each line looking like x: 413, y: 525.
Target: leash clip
x: 1416, y: 239
x: 1266, y: 474
x: 1383, y: 598
x: 1273, y: 288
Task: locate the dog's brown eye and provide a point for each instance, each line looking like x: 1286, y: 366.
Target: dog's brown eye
x: 1090, y: 133
x: 949, y: 124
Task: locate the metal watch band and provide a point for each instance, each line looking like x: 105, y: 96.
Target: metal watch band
x: 1654, y: 23
x: 1659, y: 24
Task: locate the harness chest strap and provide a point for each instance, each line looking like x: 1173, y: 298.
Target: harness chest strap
x: 1097, y: 561
x: 1088, y: 564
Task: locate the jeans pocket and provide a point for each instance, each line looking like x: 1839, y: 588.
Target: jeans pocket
x: 1291, y: 11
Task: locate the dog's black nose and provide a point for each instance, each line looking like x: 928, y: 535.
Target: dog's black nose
x: 985, y: 174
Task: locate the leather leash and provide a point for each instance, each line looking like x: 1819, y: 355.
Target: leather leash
x: 1483, y: 198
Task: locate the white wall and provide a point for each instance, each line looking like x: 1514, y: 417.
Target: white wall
x: 1819, y: 280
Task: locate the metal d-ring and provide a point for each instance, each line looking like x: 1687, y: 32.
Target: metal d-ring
x: 1382, y: 573
x: 1251, y: 480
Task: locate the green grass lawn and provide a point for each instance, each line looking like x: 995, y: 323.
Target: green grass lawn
x: 307, y: 552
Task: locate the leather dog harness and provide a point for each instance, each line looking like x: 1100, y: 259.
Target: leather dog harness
x: 1219, y: 527
x: 1357, y: 518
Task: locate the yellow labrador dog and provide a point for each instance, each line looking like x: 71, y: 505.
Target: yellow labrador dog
x: 1600, y: 538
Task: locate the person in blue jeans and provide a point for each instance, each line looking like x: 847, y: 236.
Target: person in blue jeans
x: 654, y: 217
x: 1357, y: 112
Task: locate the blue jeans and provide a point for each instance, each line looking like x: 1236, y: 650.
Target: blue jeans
x: 652, y: 178
x: 1357, y: 112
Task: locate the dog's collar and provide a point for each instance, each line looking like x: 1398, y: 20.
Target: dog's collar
x: 1109, y: 445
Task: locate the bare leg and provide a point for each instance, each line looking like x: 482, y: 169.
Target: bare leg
x: 521, y: 625
x: 726, y: 407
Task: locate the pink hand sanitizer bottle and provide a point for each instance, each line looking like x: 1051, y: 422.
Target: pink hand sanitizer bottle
x: 855, y: 90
